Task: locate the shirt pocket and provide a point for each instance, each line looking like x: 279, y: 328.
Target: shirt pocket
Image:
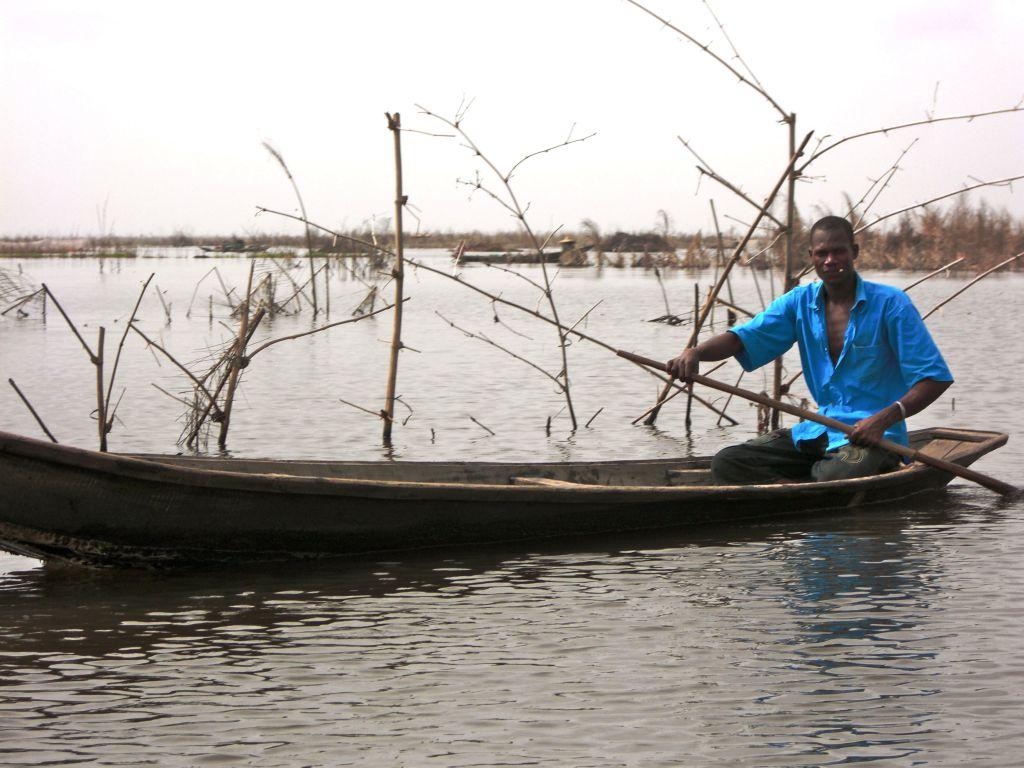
x: 867, y: 362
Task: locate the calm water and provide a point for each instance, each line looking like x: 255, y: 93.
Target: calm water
x: 889, y: 636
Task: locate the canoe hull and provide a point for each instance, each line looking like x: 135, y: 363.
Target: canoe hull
x: 81, y: 506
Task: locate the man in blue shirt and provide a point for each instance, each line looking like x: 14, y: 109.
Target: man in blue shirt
x: 867, y: 357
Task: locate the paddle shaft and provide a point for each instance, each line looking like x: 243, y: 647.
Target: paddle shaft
x: 991, y: 483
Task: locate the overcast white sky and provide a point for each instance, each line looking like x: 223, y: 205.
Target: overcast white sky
x: 158, y: 110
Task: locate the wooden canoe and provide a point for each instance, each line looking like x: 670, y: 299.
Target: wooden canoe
x: 99, y: 509
x: 513, y: 257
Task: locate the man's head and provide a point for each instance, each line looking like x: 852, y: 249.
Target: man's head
x: 833, y: 252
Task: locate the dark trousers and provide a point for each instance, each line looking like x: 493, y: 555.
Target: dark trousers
x: 773, y: 457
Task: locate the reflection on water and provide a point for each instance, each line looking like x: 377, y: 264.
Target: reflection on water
x: 888, y: 636
x: 854, y: 638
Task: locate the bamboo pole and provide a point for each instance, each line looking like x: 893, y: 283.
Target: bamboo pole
x: 787, y: 280
x: 991, y: 483
x: 720, y: 246
x: 689, y: 395
x: 737, y: 252
x: 101, y: 411
x: 398, y: 273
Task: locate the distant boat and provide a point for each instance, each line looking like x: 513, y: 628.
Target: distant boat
x: 102, y: 509
x: 510, y: 257
x: 234, y: 246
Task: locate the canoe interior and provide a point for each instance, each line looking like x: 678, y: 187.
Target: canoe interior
x: 627, y: 473
x: 942, y: 443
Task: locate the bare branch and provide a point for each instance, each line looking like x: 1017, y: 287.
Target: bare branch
x: 565, y: 143
x: 169, y: 356
x: 380, y: 249
x: 271, y: 343
x: 738, y: 192
x: 71, y: 325
x: 987, y: 272
x: 32, y: 410
x: 818, y: 153
x: 493, y: 195
x: 936, y: 272
x: 730, y: 305
x: 736, y: 53
x: 520, y: 275
x: 885, y: 178
x: 706, y: 48
x: 22, y: 301
x: 521, y: 216
x: 585, y: 314
x: 186, y: 403
x: 705, y: 169
x: 378, y: 414
x: 1001, y: 182
x: 520, y: 358
x: 765, y: 249
x: 120, y: 346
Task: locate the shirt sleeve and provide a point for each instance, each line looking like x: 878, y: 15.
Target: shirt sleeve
x: 769, y: 334
x: 918, y: 355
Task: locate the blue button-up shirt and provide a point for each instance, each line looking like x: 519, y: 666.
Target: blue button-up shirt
x: 887, y: 349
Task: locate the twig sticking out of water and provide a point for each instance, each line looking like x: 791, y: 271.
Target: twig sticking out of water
x: 32, y: 410
x: 482, y: 426
x: 96, y: 358
x: 302, y: 207
x: 117, y: 356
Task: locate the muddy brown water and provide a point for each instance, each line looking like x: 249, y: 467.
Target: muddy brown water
x: 888, y: 636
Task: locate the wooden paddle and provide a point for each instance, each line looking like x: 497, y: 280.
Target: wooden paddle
x: 991, y: 483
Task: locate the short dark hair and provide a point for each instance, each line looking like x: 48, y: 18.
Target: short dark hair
x: 833, y: 224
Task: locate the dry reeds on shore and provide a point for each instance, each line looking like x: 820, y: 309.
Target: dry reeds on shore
x: 921, y: 239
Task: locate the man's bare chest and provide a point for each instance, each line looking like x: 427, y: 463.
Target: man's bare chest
x: 837, y: 318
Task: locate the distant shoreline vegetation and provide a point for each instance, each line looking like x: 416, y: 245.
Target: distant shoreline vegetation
x: 920, y: 240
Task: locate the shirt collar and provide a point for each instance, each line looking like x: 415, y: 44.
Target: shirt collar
x: 859, y: 296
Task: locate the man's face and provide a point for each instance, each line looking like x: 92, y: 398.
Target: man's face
x: 832, y: 256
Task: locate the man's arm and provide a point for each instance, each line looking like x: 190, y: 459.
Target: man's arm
x: 718, y: 347
x: 869, y: 431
